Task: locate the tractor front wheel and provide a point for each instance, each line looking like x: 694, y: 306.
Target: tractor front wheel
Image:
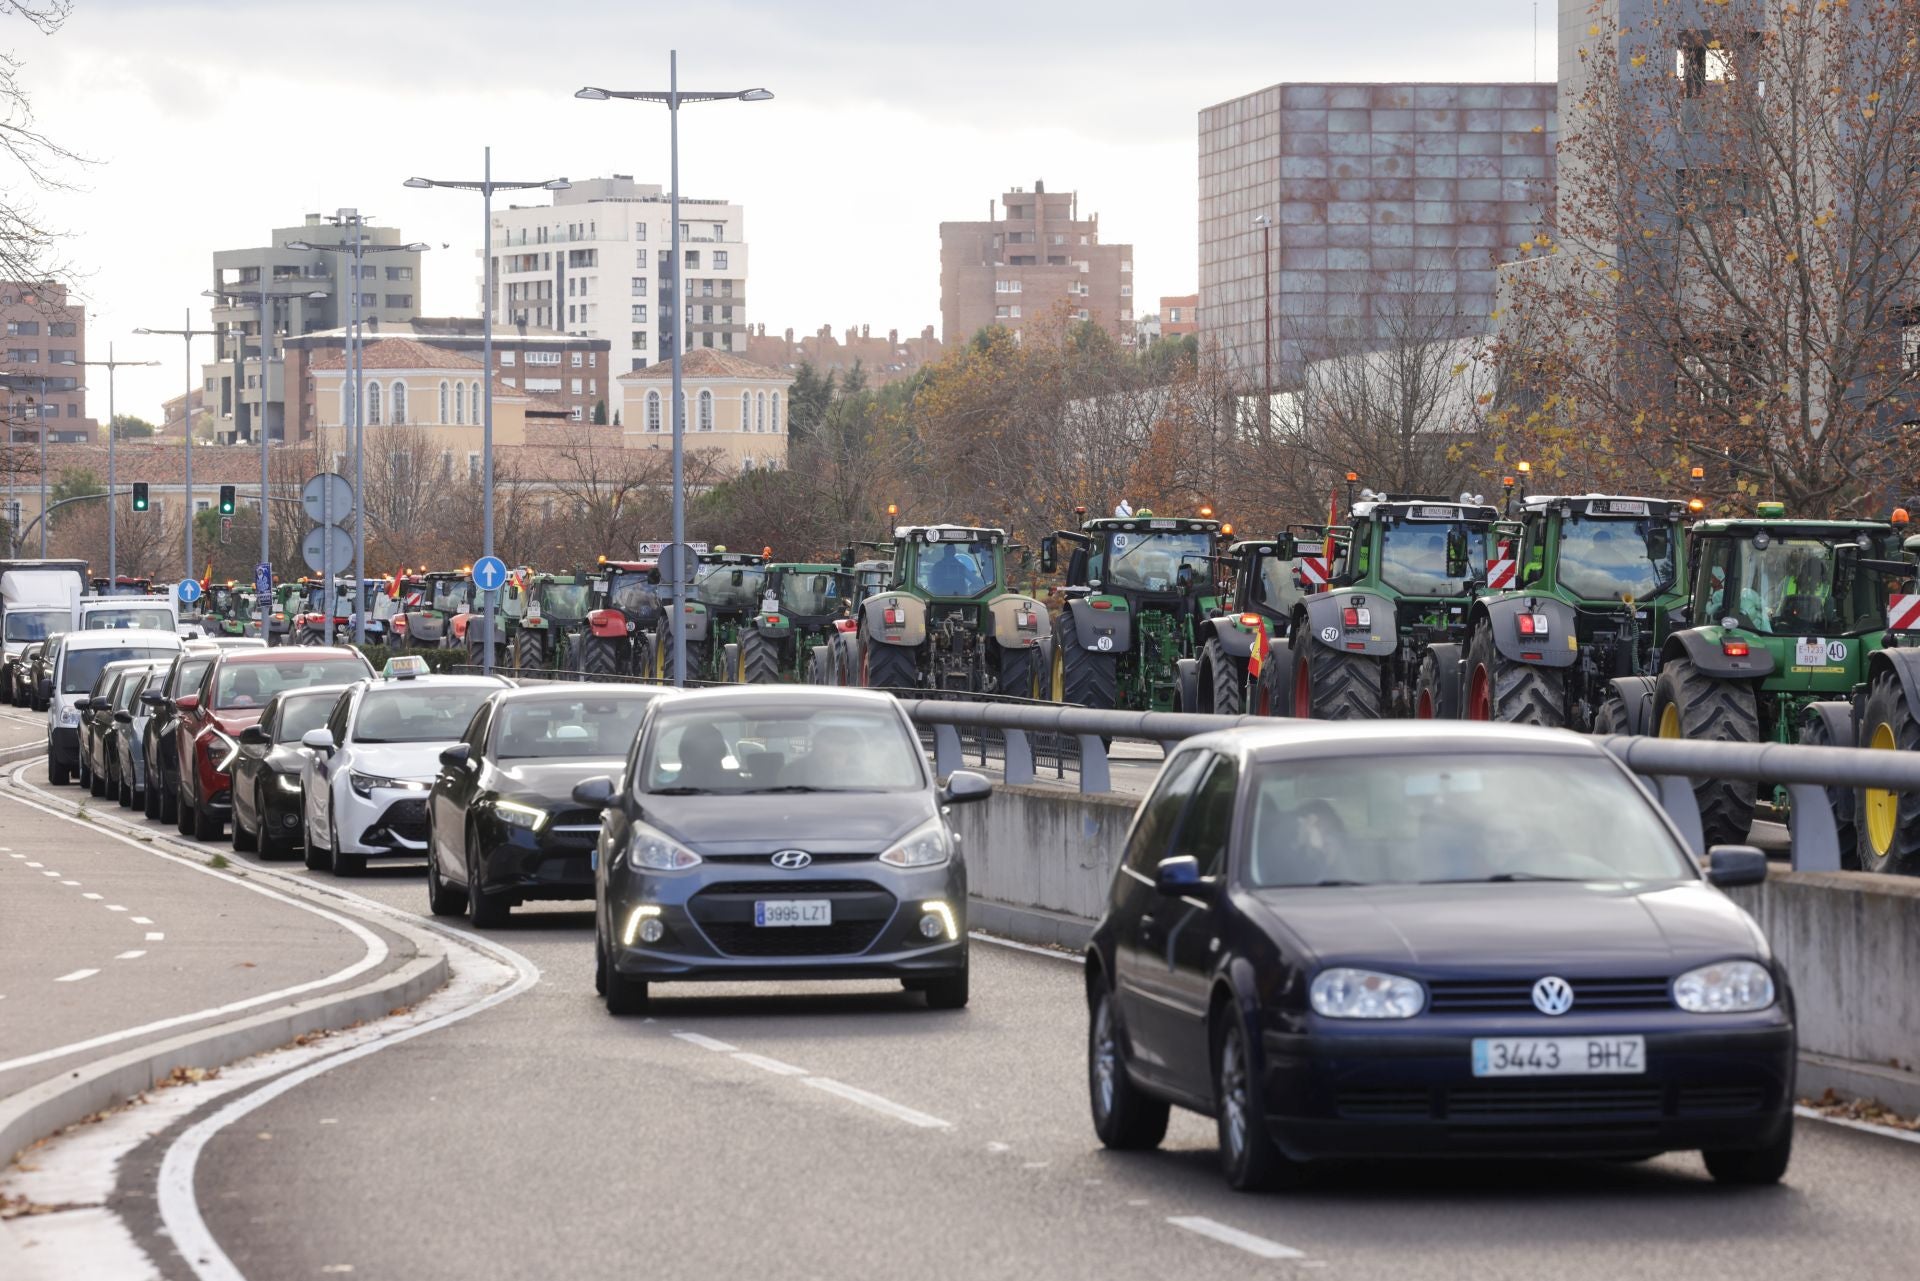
x: 759, y: 660
x: 1332, y: 686
x: 1501, y: 689
x: 1084, y: 677
x: 1692, y: 705
x: 1889, y: 823
x: 529, y: 649
x: 1224, y: 679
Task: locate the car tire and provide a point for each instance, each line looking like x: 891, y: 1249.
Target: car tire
x: 169, y: 804
x: 1124, y: 1117
x: 183, y: 816
x: 1248, y: 1156
x: 599, y: 965
x: 949, y: 993
x: 1753, y: 1167
x: 342, y: 864
x: 484, y: 911
x: 442, y: 898
x: 206, y: 826
x: 57, y: 773
x: 150, y: 796
x: 244, y: 842
x: 270, y: 843
x: 317, y: 857
x: 624, y: 996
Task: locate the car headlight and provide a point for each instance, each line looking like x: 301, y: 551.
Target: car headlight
x: 291, y: 782
x: 1365, y: 994
x: 363, y: 784
x: 69, y: 715
x: 657, y: 852
x: 221, y: 750
x: 924, y: 846
x: 514, y: 814
x: 1730, y: 987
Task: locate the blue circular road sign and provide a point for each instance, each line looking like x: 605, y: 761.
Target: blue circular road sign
x: 489, y: 573
x: 189, y: 590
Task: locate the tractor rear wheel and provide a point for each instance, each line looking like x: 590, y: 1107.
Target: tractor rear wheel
x: 1086, y: 678
x: 885, y: 666
x: 599, y: 655
x: 1331, y: 686
x: 529, y: 649
x: 1889, y: 823
x: 817, y: 666
x: 1500, y: 689
x: 1692, y: 705
x: 1019, y: 674
x: 1612, y: 717
x: 1434, y: 696
x: 1223, y: 678
x: 1844, y: 801
x: 759, y: 660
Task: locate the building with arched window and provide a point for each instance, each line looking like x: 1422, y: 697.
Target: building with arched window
x: 732, y: 407
x: 415, y: 386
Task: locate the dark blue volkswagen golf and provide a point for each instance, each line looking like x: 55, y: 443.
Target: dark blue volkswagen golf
x: 1417, y: 939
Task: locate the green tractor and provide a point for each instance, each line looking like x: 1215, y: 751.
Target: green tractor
x: 430, y: 602
x: 1787, y: 627
x: 1264, y: 583
x: 724, y: 594
x: 787, y: 639
x: 947, y: 620
x: 1411, y: 569
x: 1880, y: 830
x: 546, y: 614
x: 1141, y: 592
x: 836, y: 660
x: 1579, y: 599
x: 625, y: 613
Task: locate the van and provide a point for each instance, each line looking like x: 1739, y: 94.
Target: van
x: 76, y: 661
x: 159, y: 612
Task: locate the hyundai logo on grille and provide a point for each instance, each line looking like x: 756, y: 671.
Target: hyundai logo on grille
x: 792, y: 860
x: 1553, y: 996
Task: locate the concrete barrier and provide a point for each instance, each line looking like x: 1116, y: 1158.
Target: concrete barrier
x: 1040, y: 860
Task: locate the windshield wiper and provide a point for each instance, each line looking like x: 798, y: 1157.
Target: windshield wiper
x: 681, y: 791
x: 1500, y: 878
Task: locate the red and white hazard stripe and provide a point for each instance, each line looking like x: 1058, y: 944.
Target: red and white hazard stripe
x: 1903, y: 614
x: 1314, y: 571
x: 1501, y: 573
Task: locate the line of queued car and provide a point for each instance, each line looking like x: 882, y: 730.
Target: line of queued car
x: 1336, y: 941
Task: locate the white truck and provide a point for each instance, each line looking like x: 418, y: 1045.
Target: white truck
x: 158, y: 612
x: 38, y: 601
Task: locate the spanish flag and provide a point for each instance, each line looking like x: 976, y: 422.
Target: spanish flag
x: 393, y: 588
x: 206, y: 579
x: 1333, y: 518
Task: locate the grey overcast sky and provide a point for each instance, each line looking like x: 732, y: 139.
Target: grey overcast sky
x: 211, y: 122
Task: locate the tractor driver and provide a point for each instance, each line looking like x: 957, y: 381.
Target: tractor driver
x: 952, y: 570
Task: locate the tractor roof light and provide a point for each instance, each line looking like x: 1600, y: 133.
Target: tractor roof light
x: 1525, y: 469
x: 1249, y: 620
x: 1699, y: 473
x: 1696, y: 505
x: 1772, y: 510
x: 1227, y: 529
x: 1899, y: 516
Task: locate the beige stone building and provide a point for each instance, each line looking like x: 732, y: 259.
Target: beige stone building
x: 1036, y: 260
x: 734, y: 408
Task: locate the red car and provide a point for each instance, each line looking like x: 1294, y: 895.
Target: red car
x: 231, y: 695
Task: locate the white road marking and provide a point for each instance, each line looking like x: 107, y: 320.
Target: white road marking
x: 155, y: 936
x: 76, y: 976
x: 115, y: 907
x: 1885, y: 1131
x: 70, y: 882
x: 705, y: 1042
x: 766, y: 1064
x: 131, y: 956
x: 1257, y: 1246
x: 36, y: 865
x: 141, y: 920
x: 91, y: 895
x: 997, y: 941
x: 997, y: 1146
x: 55, y: 876
x: 886, y: 1107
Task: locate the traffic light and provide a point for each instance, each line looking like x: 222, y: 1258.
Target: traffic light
x: 226, y: 500
x: 140, y: 495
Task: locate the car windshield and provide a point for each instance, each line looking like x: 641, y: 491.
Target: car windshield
x: 1805, y: 587
x: 1398, y: 819
x: 569, y: 726
x: 1613, y: 559
x: 82, y: 666
x: 418, y: 712
x: 38, y: 625
x: 954, y: 570
x: 450, y: 595
x: 772, y: 747
x: 811, y: 592
x: 1152, y: 562
x: 631, y: 593
x: 300, y: 713
x: 252, y: 684
x: 716, y: 587
x: 565, y: 600
x: 1414, y: 556
x: 154, y: 619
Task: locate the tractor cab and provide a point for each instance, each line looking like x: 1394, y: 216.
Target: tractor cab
x: 730, y: 584
x: 811, y: 595
x: 800, y: 613
x: 960, y: 564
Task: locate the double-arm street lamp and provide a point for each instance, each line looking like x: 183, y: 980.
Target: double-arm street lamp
x: 39, y: 407
x: 265, y: 299
x: 358, y: 248
x: 672, y: 96
x: 486, y: 187
x: 188, y: 334
x: 112, y: 367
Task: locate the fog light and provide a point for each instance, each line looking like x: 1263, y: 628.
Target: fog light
x: 938, y: 920
x: 651, y: 931
x: 290, y: 820
x: 930, y: 926
x: 640, y: 916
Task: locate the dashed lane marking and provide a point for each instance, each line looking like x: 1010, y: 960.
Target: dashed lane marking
x: 766, y: 1064
x: 131, y: 956
x: 76, y: 976
x: 1259, y: 1247
x: 70, y: 883
x: 705, y: 1042
x: 115, y: 907
x: 155, y: 936
x: 886, y: 1107
x: 91, y: 895
x: 141, y: 920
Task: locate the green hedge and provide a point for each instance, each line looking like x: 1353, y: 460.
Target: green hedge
x: 438, y: 660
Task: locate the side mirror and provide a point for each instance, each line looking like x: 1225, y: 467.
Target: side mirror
x: 152, y: 697
x: 1286, y: 547
x: 1456, y: 554
x: 46, y: 687
x: 1733, y: 865
x: 846, y: 558
x: 255, y: 736
x: 96, y: 704
x: 1049, y: 554
x: 594, y: 793
x: 737, y: 577
x: 964, y: 785
x: 459, y: 756
x: 1659, y: 543
x: 124, y: 718
x: 320, y: 740
x: 1180, y: 877
x: 186, y: 702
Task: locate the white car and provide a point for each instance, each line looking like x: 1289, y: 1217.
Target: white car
x: 364, y: 785
x: 76, y: 664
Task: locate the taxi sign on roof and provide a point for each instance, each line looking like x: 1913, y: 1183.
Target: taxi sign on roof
x: 404, y: 668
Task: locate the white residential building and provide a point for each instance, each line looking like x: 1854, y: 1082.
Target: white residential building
x: 593, y: 264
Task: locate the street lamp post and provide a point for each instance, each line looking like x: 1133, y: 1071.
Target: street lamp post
x: 38, y: 406
x: 673, y: 96
x: 486, y: 187
x: 112, y: 367
x: 358, y: 248
x: 188, y: 334
x: 1265, y: 224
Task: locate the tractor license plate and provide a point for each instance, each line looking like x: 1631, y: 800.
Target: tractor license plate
x: 1559, y: 1055
x: 793, y: 911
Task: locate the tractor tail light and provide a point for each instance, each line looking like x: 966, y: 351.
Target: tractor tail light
x: 1249, y: 620
x: 1533, y: 624
x: 1356, y: 617
x: 1027, y: 621
x: 891, y: 618
x: 1101, y: 604
x: 1734, y: 649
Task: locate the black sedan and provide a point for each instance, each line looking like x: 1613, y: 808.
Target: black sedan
x: 502, y: 825
x: 1422, y: 940
x: 769, y: 833
x: 266, y: 770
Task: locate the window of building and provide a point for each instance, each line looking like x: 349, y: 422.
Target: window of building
x: 402, y: 301
x: 746, y: 411
x: 640, y: 285
x: 720, y: 233
x: 683, y: 409
x: 760, y: 412
x: 719, y: 260
x: 1126, y: 264
x: 23, y: 329
x: 706, y: 315
x: 369, y: 300
x: 706, y: 289
x: 399, y: 273
x: 575, y: 414
x: 1700, y: 61
x: 579, y: 358
x: 473, y: 467
x: 474, y: 392
x: 446, y: 464
x: 399, y: 403
x: 63, y: 329
x: 63, y: 356
x: 1000, y: 312
x: 445, y: 390
x: 639, y: 231
x: 653, y: 411
x: 575, y: 383
x: 639, y: 313
x: 1126, y: 291
x: 773, y: 414
x: 639, y: 341
x: 373, y: 402
x: 508, y: 357
x: 570, y: 319
x: 1014, y: 311
x: 693, y: 260
x: 460, y: 404
x: 1082, y: 314
x: 706, y: 410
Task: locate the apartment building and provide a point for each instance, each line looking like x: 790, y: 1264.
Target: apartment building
x: 1033, y: 258
x: 307, y: 290
x: 594, y: 264
x: 42, y: 380
x: 1180, y: 317
x: 881, y: 360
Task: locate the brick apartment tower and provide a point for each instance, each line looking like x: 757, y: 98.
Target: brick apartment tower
x: 1024, y: 265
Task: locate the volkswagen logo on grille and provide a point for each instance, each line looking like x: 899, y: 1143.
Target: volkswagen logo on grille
x: 1553, y: 996
x: 792, y: 860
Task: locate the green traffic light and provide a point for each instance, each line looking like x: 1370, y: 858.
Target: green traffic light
x: 226, y: 500
x: 140, y: 495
